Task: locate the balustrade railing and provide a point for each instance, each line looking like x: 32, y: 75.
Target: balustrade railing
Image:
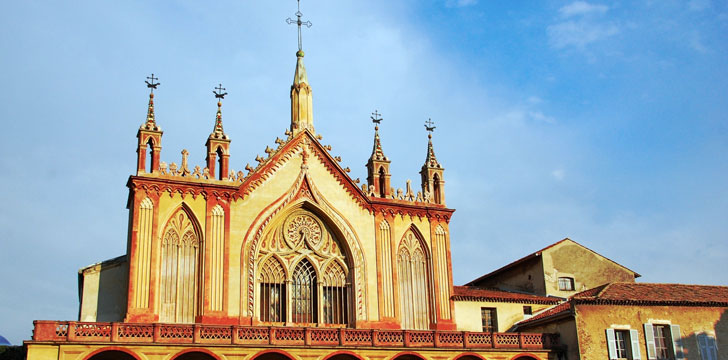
x: 72, y: 331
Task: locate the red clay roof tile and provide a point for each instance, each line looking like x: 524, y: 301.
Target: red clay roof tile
x: 480, y: 294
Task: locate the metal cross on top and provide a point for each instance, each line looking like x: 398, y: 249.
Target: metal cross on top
x: 299, y: 23
x: 428, y: 125
x: 376, y: 117
x: 152, y: 85
x: 219, y: 94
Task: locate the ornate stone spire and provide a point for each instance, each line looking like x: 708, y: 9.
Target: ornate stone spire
x: 151, y: 124
x: 301, y: 95
x: 150, y: 136
x: 217, y: 131
x: 377, y: 153
x: 218, y: 143
x: 433, y: 184
x: 430, y: 160
x: 378, y: 175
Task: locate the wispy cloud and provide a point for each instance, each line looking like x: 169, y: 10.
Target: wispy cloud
x: 460, y: 3
x: 582, y: 24
x: 698, y: 5
x: 582, y: 8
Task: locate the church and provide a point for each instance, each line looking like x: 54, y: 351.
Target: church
x: 289, y: 259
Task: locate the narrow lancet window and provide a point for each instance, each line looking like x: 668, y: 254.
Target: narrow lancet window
x: 304, y: 293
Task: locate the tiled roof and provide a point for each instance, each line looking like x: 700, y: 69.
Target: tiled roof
x: 644, y: 294
x: 536, y: 254
x: 563, y: 308
x: 471, y: 293
x: 655, y: 294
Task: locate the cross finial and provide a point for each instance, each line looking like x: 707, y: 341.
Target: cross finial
x: 428, y: 125
x: 376, y: 117
x: 152, y: 85
x: 219, y: 94
x: 299, y: 22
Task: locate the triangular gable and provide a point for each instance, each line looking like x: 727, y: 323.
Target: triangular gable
x: 537, y: 254
x: 287, y: 149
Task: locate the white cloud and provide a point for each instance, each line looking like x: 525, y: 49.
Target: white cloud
x: 579, y: 33
x: 582, y: 8
x: 583, y: 27
x: 460, y: 3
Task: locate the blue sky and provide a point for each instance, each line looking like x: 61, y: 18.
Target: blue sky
x: 605, y: 122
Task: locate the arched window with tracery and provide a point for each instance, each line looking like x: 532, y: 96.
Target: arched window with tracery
x: 180, y: 270
x: 272, y: 280
x: 303, y: 273
x: 335, y: 295
x: 303, y: 293
x: 413, y: 283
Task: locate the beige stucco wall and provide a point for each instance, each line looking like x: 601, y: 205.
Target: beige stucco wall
x: 526, y: 277
x: 587, y: 268
x: 103, y: 296
x: 568, y: 338
x: 468, y: 317
x: 593, y: 320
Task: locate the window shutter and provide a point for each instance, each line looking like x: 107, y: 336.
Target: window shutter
x: 634, y: 338
x: 711, y: 347
x: 703, y: 346
x: 650, y: 342
x: 677, y: 344
x: 611, y: 344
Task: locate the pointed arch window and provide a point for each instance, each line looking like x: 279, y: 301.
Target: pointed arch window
x: 335, y: 295
x: 180, y: 270
x: 303, y: 293
x: 303, y: 274
x: 272, y: 280
x: 382, y: 189
x: 436, y: 189
x: 150, y: 151
x: 413, y: 283
x: 219, y: 152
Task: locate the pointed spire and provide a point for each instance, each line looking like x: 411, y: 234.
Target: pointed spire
x: 300, y: 77
x: 217, y: 131
x: 151, y: 124
x: 430, y: 160
x: 377, y: 153
x: 301, y: 99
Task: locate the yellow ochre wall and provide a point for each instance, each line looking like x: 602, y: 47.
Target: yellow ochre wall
x: 593, y: 320
x: 259, y: 209
x: 588, y: 268
x: 468, y: 317
x: 104, y: 289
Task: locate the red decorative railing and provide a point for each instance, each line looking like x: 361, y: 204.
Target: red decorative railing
x: 72, y: 331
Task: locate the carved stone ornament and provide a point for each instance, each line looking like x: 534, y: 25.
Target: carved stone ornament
x: 301, y: 227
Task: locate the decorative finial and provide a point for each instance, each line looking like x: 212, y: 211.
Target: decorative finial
x: 150, y: 124
x: 429, y: 127
x: 377, y: 153
x: 376, y: 119
x: 219, y: 92
x: 217, y: 132
x: 152, y: 85
x: 299, y: 23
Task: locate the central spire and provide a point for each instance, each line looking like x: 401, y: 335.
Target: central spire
x: 301, y: 94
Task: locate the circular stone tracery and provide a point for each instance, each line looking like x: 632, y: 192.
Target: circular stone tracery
x: 300, y: 226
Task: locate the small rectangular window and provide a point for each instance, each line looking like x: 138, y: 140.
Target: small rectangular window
x: 621, y: 338
x: 566, y: 284
x: 663, y: 342
x: 527, y: 310
x: 489, y: 319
